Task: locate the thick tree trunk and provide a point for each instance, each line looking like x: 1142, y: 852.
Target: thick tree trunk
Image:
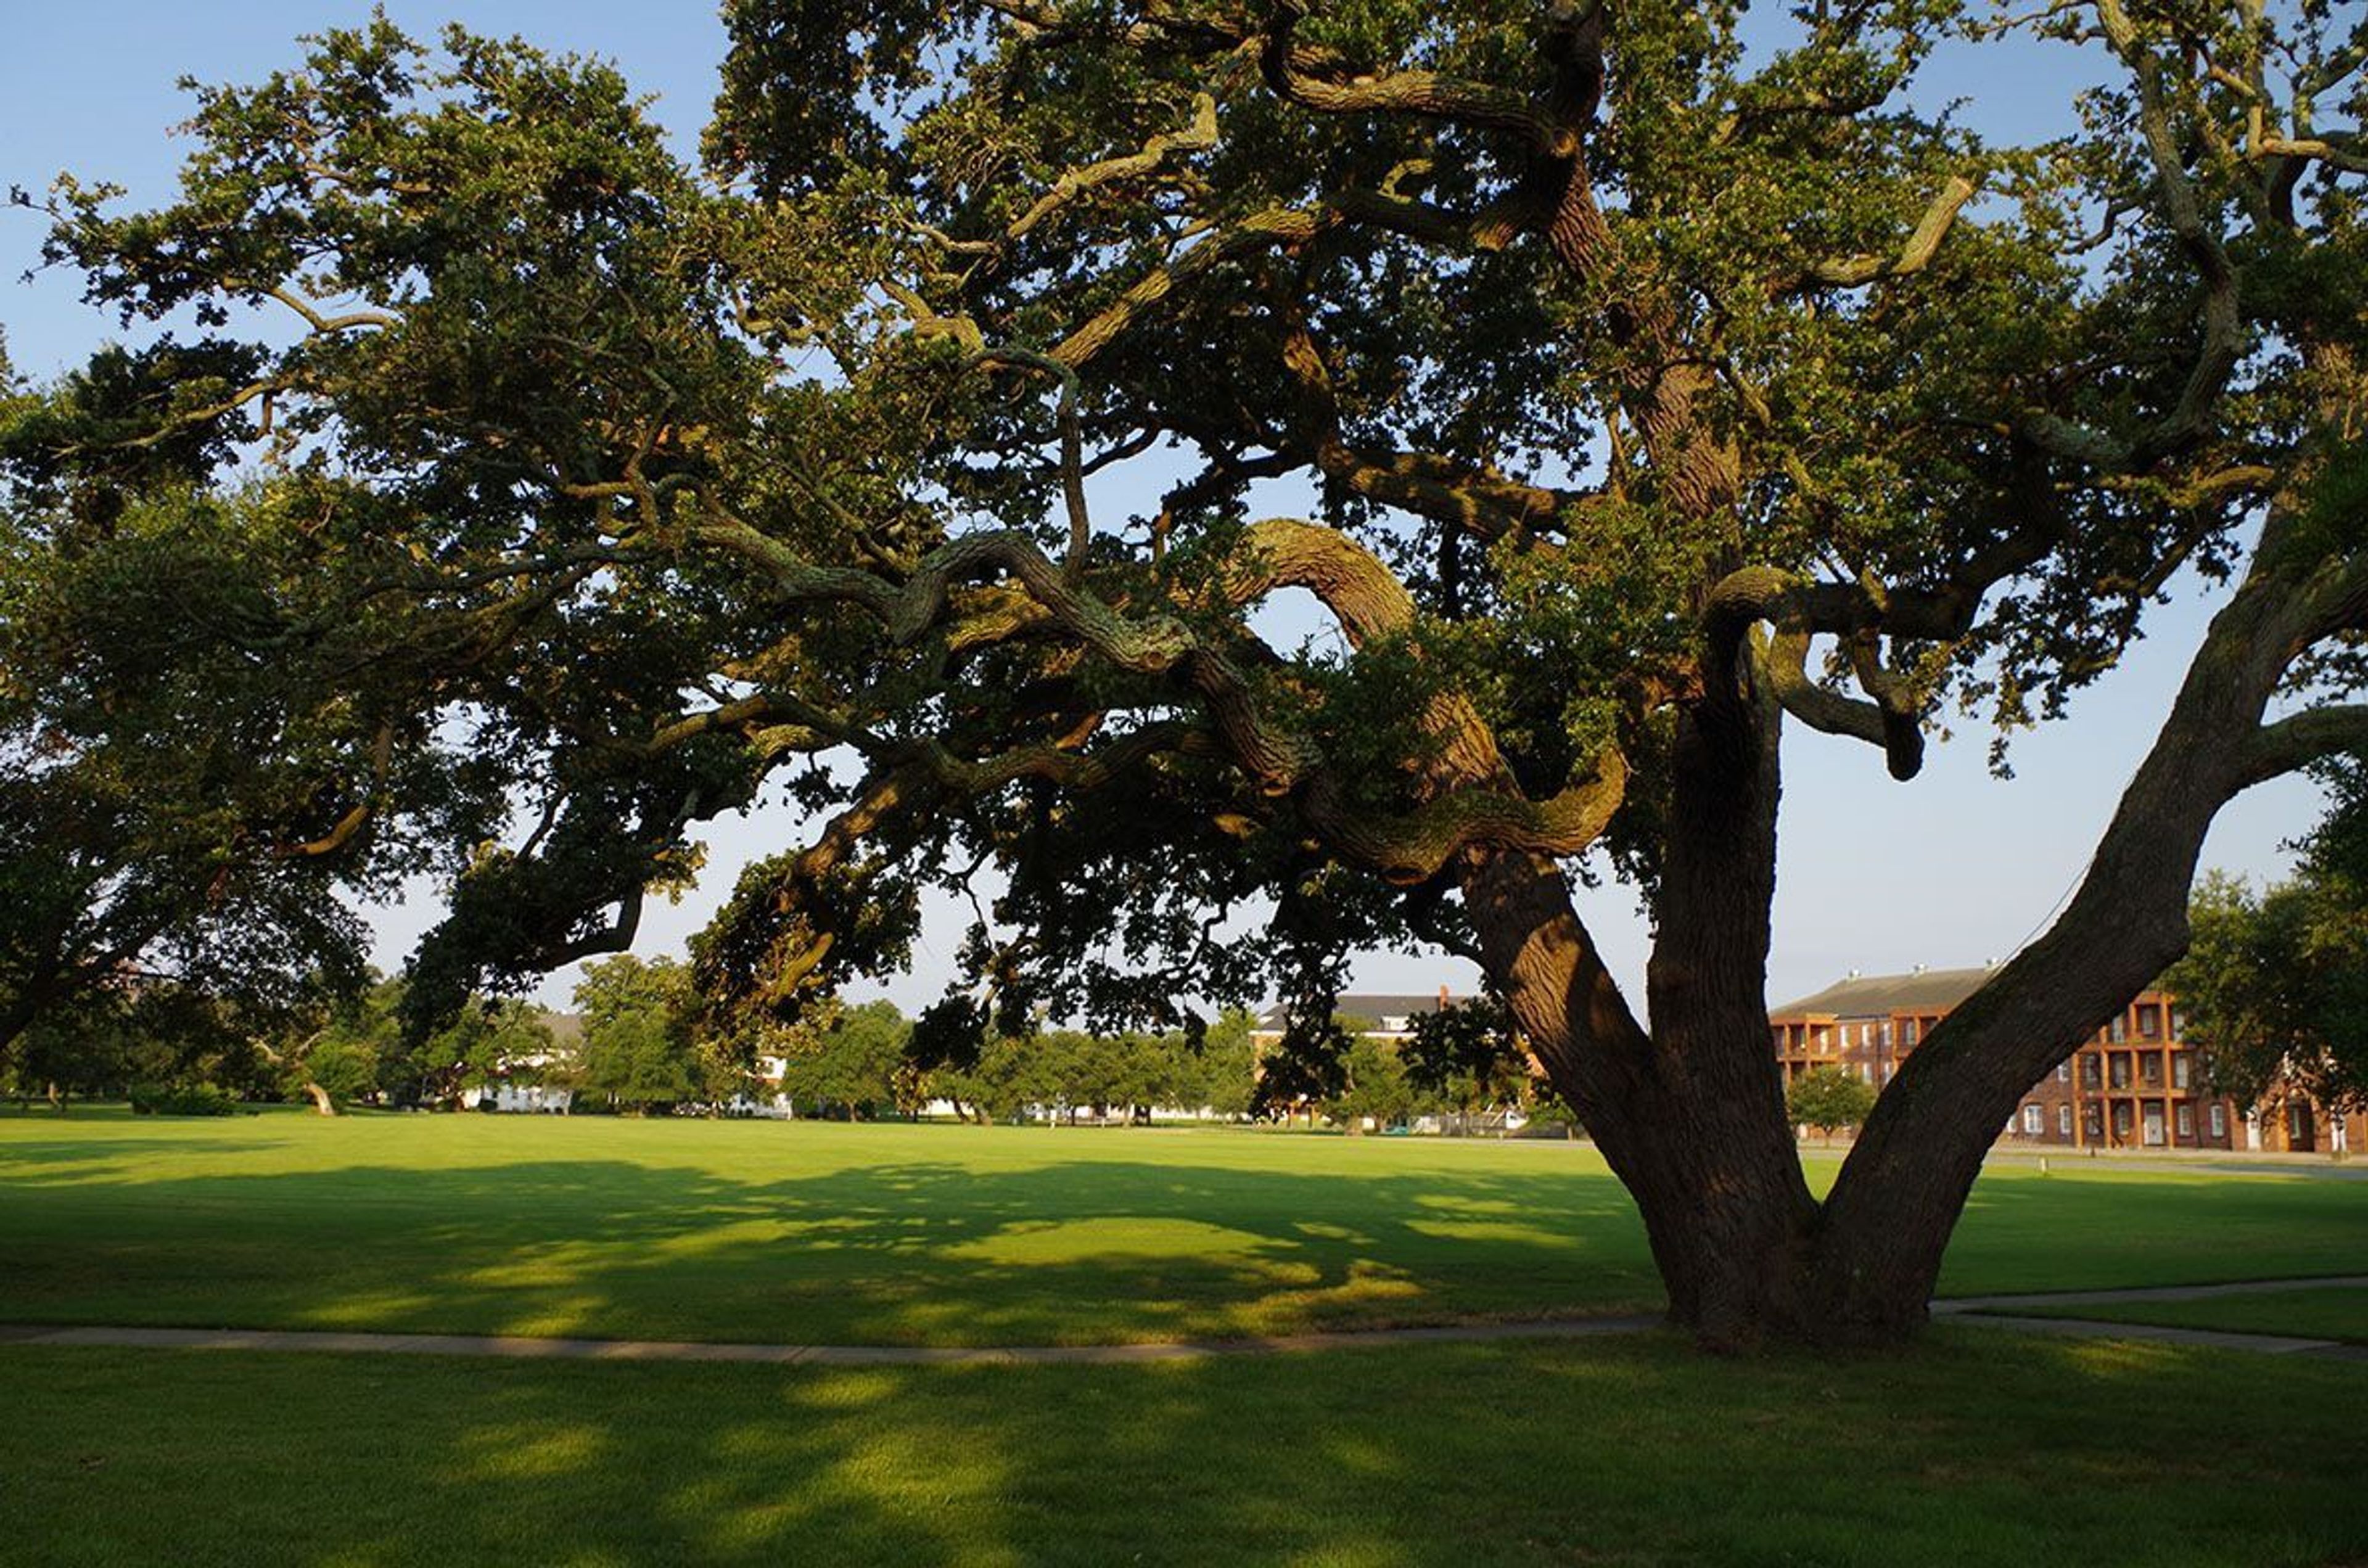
x: 1715, y: 1171
x: 1691, y: 1117
x: 322, y: 1102
x: 1540, y: 957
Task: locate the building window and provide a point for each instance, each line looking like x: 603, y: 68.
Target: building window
x: 2150, y: 1020
x: 2063, y: 1121
x: 2092, y: 1072
x: 1908, y: 1031
x: 2118, y: 1029
x: 2187, y: 1121
x: 2032, y: 1124
x: 2179, y: 1023
x: 2122, y: 1121
x: 2150, y: 1069
x: 2064, y: 1072
x: 2119, y: 1072
x: 2095, y: 1122
x: 2183, y: 1070
x: 2219, y: 1121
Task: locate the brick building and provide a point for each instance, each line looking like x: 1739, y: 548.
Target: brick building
x: 2138, y: 1084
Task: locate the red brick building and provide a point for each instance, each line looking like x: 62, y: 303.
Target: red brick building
x: 2138, y: 1085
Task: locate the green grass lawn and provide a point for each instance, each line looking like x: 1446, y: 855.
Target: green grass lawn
x: 813, y: 1233
x: 1975, y: 1447
x: 1980, y: 1447
x: 2304, y: 1315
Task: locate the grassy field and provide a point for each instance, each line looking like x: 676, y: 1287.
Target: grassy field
x: 2303, y: 1314
x: 894, y: 1234
x: 1979, y: 1448
x: 1975, y: 1447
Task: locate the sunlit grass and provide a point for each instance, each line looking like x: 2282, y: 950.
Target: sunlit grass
x: 807, y: 1232
x: 1979, y: 1448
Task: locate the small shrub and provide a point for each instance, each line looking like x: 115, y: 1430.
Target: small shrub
x: 1826, y: 1098
x: 183, y: 1099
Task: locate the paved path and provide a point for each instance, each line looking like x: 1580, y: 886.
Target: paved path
x: 2188, y: 1162
x: 2147, y: 1293
x: 1996, y: 1312
x: 1985, y: 1309
x: 2163, y: 1334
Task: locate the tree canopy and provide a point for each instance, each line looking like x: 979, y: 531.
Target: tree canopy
x: 1656, y: 383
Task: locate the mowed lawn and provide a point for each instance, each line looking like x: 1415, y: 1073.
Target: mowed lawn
x: 811, y: 1232
x: 2326, y: 1313
x: 1978, y: 1448
x: 1973, y: 1447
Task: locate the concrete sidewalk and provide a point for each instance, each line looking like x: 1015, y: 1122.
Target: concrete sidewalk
x: 2163, y: 1334
x: 2148, y: 1294
x: 1996, y: 1312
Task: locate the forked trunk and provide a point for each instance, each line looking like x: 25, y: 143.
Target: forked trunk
x: 1690, y: 1116
x: 1887, y: 1222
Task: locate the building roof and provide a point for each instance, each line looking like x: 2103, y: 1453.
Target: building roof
x: 1880, y: 995
x: 1371, y: 1007
x: 566, y: 1028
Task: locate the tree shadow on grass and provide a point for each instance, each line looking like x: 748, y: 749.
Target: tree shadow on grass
x: 910, y: 1252
x: 1977, y: 1449
x: 1006, y: 1239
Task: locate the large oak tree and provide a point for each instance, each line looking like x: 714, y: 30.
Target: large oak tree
x: 1657, y: 392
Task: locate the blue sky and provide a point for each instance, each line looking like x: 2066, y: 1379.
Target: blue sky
x: 1951, y: 870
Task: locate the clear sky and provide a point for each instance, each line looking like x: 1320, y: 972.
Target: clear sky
x: 1951, y: 870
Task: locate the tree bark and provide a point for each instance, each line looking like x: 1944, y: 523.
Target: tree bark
x: 1690, y: 1117
x: 322, y: 1102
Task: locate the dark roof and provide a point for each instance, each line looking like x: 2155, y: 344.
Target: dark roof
x: 1371, y: 1006
x: 1880, y: 995
x: 566, y: 1028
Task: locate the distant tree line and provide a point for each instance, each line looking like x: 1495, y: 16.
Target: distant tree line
x: 641, y: 1042
x: 160, y: 1044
